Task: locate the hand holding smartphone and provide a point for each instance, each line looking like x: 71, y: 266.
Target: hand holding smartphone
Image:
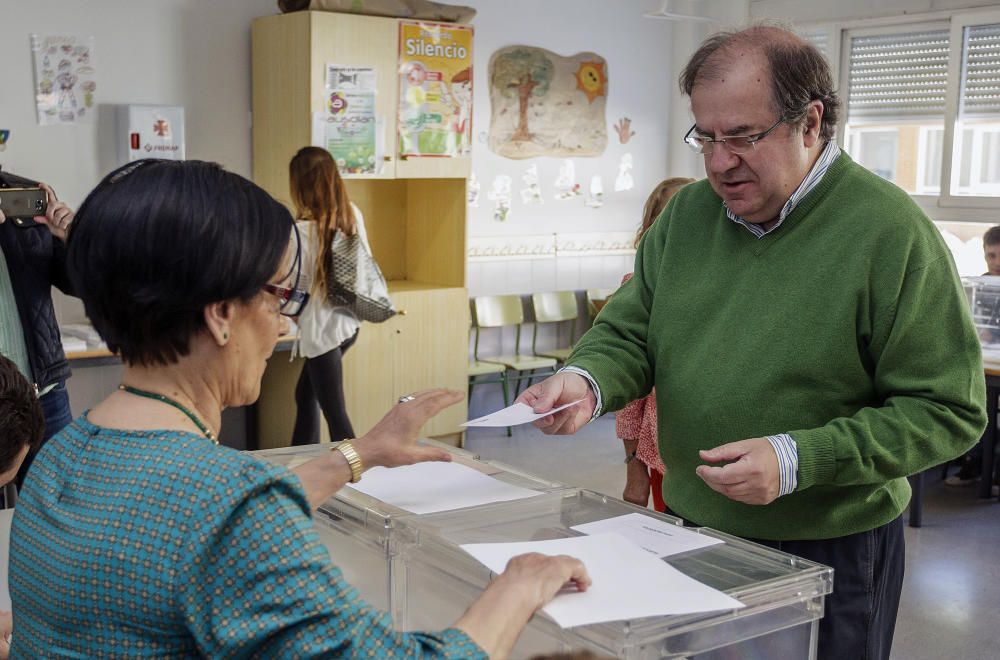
x: 21, y: 199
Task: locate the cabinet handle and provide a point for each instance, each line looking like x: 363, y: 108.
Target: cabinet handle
x: 401, y: 312
x: 387, y: 159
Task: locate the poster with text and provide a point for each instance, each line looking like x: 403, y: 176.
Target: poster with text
x: 65, y: 79
x: 435, y: 89
x: 347, y: 126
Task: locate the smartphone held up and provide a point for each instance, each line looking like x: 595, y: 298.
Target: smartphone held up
x: 21, y: 199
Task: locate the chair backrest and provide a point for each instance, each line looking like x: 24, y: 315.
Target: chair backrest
x: 598, y: 294
x: 498, y: 311
x: 596, y: 298
x: 554, y: 306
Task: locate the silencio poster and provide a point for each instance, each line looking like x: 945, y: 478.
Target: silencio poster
x: 435, y: 89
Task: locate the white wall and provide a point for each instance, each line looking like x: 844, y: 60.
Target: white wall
x: 638, y: 55
x: 196, y: 53
x: 845, y: 10
x: 193, y: 53
x: 644, y: 58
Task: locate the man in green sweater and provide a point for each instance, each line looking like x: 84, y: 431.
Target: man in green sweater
x: 805, y: 329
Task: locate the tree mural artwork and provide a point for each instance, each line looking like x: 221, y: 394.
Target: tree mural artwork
x: 546, y: 104
x: 522, y: 73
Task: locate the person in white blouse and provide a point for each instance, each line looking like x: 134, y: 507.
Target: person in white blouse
x: 325, y: 331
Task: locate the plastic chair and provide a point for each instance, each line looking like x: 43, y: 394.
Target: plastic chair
x: 554, y: 307
x: 479, y: 369
x: 596, y: 299
x: 500, y: 312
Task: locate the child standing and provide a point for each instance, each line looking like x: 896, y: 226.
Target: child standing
x: 635, y: 424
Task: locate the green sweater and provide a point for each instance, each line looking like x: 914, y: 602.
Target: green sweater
x: 846, y: 327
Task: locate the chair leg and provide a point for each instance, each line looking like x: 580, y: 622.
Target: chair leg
x: 521, y: 378
x: 531, y: 378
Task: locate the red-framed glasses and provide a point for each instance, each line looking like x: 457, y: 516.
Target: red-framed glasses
x: 292, y: 300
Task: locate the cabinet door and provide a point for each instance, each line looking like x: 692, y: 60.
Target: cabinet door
x: 369, y: 373
x: 368, y: 41
x: 421, y: 349
x: 432, y: 350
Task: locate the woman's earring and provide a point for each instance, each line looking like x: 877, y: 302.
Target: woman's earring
x: 225, y: 337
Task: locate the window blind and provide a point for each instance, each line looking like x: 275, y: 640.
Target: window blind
x: 981, y: 73
x: 898, y: 76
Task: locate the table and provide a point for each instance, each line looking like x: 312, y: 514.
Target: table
x: 241, y: 420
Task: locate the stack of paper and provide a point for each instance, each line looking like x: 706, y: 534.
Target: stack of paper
x: 432, y: 487
x: 651, y: 534
x: 628, y: 582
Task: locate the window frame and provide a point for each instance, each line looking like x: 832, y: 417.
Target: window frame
x: 960, y: 21
x: 849, y: 32
x: 873, y: 127
x: 944, y: 206
x: 922, y: 145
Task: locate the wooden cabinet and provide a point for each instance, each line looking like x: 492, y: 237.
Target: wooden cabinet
x: 290, y: 54
x: 409, y: 353
x: 414, y: 214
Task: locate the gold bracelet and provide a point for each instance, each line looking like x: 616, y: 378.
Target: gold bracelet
x: 353, y: 460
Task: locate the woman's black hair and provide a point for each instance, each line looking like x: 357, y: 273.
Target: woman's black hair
x: 158, y: 240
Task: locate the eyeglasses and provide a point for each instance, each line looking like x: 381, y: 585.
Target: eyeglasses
x: 292, y: 300
x: 737, y: 144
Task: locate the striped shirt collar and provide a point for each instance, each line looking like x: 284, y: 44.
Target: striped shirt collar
x: 823, y: 163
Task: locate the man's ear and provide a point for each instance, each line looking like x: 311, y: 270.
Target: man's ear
x: 813, y: 124
x: 219, y: 319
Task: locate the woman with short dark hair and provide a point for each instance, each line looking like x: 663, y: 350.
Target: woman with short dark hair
x: 136, y: 534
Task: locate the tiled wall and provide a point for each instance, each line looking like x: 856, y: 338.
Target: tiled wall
x: 545, y: 262
x: 548, y: 262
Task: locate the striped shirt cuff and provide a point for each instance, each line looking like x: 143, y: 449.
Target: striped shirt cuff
x: 788, y: 462
x: 598, y: 409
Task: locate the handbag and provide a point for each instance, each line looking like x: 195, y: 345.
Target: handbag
x: 355, y: 281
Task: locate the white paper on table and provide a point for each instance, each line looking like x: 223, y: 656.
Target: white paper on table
x: 435, y: 486
x: 628, y: 582
x: 519, y: 413
x: 655, y: 536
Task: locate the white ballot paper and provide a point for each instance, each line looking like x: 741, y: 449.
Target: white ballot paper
x: 628, y: 582
x: 656, y: 537
x: 519, y: 413
x: 431, y: 487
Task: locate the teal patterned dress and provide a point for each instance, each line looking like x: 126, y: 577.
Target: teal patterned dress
x: 146, y: 544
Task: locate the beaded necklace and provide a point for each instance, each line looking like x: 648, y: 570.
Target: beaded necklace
x: 170, y: 402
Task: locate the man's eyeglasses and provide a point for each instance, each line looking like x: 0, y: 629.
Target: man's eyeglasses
x: 292, y: 300
x: 737, y: 144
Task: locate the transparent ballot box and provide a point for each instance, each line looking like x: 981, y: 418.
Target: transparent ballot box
x: 434, y: 581
x: 362, y: 533
x: 983, y: 294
